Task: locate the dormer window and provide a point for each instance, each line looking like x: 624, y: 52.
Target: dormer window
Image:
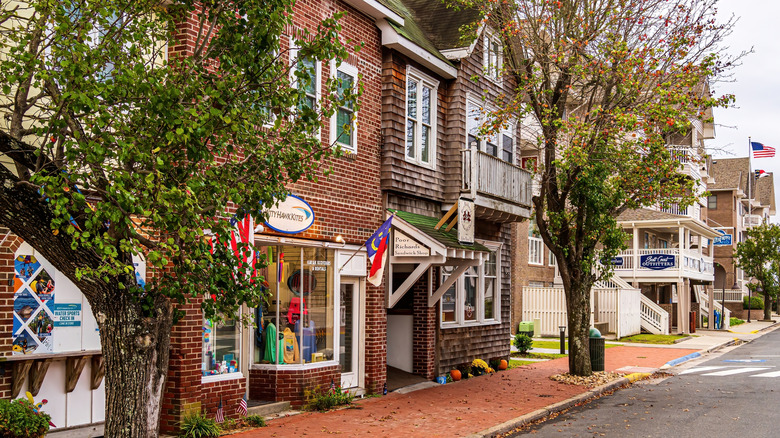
x: 493, y: 58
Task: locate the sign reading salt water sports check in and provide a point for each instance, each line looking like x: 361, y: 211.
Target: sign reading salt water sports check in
x: 657, y: 261
x: 722, y: 240
x: 291, y: 216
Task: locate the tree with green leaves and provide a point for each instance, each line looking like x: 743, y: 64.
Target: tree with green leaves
x: 139, y: 128
x: 759, y: 257
x: 607, y: 83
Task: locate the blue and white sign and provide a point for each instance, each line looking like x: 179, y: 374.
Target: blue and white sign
x: 657, y: 262
x: 291, y: 216
x: 67, y: 314
x: 617, y: 261
x: 722, y: 240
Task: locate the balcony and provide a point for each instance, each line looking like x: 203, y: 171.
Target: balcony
x: 693, y: 211
x: 689, y: 159
x: 666, y: 263
x: 501, y: 188
x: 751, y: 220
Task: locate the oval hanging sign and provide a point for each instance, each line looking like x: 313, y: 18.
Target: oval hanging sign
x: 291, y: 216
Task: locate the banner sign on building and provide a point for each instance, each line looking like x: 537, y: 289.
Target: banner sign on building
x: 292, y: 216
x: 67, y: 314
x: 617, y: 261
x: 465, y: 221
x: 657, y: 261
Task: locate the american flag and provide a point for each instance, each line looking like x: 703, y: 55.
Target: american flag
x: 220, y: 415
x: 761, y: 151
x: 242, y: 408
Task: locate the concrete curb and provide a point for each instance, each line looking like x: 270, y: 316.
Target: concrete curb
x: 679, y: 360
x: 555, y: 407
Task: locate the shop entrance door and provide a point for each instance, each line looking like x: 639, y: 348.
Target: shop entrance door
x: 349, y: 332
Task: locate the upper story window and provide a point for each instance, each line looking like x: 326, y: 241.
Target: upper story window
x: 306, y: 78
x: 475, y: 298
x: 421, y: 107
x: 500, y: 145
x: 493, y: 56
x: 712, y: 202
x: 343, y: 124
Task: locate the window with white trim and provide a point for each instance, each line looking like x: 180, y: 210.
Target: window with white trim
x: 221, y: 347
x: 500, y: 145
x: 421, y: 107
x: 535, y: 244
x: 493, y: 56
x: 475, y: 298
x: 343, y: 124
x: 306, y: 78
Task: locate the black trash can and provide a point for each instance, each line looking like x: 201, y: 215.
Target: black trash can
x: 597, y: 347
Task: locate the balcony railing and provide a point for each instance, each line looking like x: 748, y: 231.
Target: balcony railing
x: 487, y: 175
x: 688, y: 157
x: 663, y: 259
x: 693, y: 211
x: 751, y: 220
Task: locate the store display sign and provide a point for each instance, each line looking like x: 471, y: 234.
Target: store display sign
x: 67, y: 314
x: 405, y: 246
x: 617, y: 261
x: 465, y: 221
x: 657, y: 262
x: 291, y: 216
x: 32, y: 314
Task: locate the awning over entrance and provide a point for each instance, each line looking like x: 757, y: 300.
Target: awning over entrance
x: 417, y: 241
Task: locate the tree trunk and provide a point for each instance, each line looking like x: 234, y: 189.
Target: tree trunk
x: 767, y: 306
x: 136, y: 351
x: 578, y: 313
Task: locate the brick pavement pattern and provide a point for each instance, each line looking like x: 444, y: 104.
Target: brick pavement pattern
x: 460, y: 408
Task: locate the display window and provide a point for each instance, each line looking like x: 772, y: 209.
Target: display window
x: 221, y: 347
x: 475, y: 297
x: 295, y: 324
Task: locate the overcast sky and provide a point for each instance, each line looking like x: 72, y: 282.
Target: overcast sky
x: 756, y: 85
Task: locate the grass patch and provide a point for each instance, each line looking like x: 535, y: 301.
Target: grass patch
x: 555, y: 345
x: 539, y: 355
x: 519, y: 363
x: 735, y: 321
x: 653, y: 339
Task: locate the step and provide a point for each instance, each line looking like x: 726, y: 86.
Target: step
x: 268, y: 409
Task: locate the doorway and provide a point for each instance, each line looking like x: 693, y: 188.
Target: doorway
x: 349, y: 332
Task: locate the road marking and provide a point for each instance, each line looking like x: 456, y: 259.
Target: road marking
x: 701, y: 369
x: 745, y: 360
x: 772, y: 374
x: 736, y: 371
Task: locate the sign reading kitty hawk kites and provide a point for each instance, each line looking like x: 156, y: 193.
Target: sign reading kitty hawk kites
x: 291, y: 216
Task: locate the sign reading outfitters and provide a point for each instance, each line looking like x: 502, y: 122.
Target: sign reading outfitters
x: 657, y: 261
x: 291, y: 216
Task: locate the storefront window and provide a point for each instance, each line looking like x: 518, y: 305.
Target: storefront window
x: 478, y: 285
x: 221, y: 347
x: 448, y: 304
x: 470, y: 284
x: 296, y: 324
x: 490, y: 286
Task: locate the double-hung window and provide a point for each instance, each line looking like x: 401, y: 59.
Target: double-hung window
x: 493, y: 56
x: 306, y: 78
x: 475, y: 298
x: 343, y: 124
x: 420, y: 118
x: 499, y: 144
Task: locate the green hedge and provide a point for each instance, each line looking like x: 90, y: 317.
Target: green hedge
x: 756, y: 303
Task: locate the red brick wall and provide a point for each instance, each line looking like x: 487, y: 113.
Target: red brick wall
x: 424, y: 334
x: 9, y: 246
x: 284, y: 384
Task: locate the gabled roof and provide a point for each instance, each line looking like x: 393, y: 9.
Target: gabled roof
x: 765, y: 189
x: 660, y: 218
x: 427, y: 225
x: 644, y: 214
x: 729, y: 174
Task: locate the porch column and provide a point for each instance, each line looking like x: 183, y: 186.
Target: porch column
x: 680, y: 248
x: 681, y: 319
x: 635, y: 252
x: 711, y: 300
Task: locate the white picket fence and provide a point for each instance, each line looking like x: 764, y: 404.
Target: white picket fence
x: 620, y: 308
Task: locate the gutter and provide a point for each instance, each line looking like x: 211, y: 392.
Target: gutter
x: 391, y: 39
x: 376, y: 10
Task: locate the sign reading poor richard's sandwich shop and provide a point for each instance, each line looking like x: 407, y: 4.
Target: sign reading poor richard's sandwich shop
x: 291, y: 216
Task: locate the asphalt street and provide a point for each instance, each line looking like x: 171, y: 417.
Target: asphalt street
x: 735, y: 392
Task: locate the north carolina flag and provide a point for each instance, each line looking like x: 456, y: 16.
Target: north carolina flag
x: 761, y: 151
x: 376, y: 247
x: 760, y: 173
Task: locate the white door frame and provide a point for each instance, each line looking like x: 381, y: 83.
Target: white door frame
x: 355, y: 378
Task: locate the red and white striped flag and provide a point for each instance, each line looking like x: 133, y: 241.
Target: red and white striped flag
x: 762, y: 151
x: 220, y: 417
x: 242, y: 407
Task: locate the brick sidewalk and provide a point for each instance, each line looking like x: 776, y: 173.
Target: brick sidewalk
x: 460, y: 408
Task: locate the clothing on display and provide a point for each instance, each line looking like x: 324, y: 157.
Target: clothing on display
x: 290, y: 350
x: 294, y: 312
x: 307, y: 340
x: 270, y: 343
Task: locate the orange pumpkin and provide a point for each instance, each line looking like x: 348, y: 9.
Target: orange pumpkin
x: 502, y: 365
x: 455, y: 374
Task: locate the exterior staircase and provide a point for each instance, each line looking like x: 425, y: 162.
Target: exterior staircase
x: 703, y: 299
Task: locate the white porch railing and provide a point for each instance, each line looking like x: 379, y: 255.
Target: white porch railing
x: 688, y: 158
x: 751, y: 220
x: 486, y: 174
x: 693, y: 211
x: 732, y: 295
x: 654, y: 319
x: 535, y: 250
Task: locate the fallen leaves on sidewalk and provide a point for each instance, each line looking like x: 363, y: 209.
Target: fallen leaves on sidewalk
x: 596, y: 379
